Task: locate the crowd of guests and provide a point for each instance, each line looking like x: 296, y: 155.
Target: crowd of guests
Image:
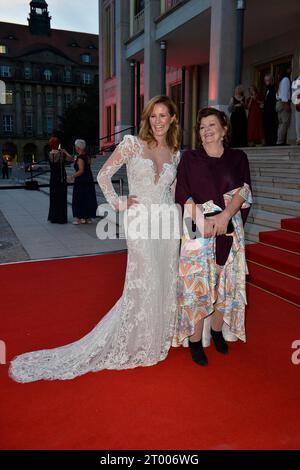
x: 265, y: 119
x: 84, y: 201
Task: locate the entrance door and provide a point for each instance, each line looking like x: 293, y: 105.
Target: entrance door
x: 274, y: 68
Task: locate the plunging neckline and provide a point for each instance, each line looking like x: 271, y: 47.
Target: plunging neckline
x: 157, y: 176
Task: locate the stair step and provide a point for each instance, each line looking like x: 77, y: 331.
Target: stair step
x: 290, y: 208
x: 253, y: 230
x: 278, y: 182
x: 283, y: 261
x: 284, y: 194
x: 274, y: 282
x: 282, y: 239
x: 291, y: 224
x: 264, y: 218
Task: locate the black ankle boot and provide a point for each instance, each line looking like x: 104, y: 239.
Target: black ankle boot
x: 198, y: 354
x: 220, y: 343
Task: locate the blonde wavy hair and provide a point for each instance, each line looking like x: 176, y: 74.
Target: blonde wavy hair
x: 174, y: 132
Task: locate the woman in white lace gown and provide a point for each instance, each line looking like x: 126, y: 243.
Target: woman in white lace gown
x: 138, y: 330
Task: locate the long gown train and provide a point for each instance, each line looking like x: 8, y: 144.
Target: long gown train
x: 138, y: 330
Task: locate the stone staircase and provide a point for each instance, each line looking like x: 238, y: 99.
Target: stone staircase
x: 275, y: 174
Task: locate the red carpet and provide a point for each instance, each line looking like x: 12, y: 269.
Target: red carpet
x: 274, y: 268
x: 283, y: 239
x: 291, y: 224
x: 283, y: 261
x: 247, y: 400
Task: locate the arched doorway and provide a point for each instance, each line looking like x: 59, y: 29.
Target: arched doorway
x: 29, y: 153
x: 9, y: 152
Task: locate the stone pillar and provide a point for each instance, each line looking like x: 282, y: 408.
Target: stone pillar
x: 222, y: 63
x: 152, y: 52
x: 123, y: 69
x: 19, y: 110
x: 59, y: 100
x: 39, y: 111
x: 101, y: 75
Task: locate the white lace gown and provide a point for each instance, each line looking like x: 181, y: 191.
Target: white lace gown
x: 138, y: 330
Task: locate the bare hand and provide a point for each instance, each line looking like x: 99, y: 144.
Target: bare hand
x: 220, y: 222
x: 208, y: 228
x: 70, y: 179
x: 130, y: 202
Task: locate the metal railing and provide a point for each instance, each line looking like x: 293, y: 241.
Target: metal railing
x: 138, y: 22
x: 169, y: 4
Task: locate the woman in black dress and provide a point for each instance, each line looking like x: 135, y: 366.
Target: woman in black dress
x: 238, y: 118
x: 58, y: 182
x: 84, y: 203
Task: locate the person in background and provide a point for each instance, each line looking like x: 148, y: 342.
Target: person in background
x: 296, y: 102
x: 269, y: 112
x: 4, y: 168
x: 283, y: 107
x: 255, y: 105
x: 238, y: 118
x: 84, y: 202
x: 58, y: 182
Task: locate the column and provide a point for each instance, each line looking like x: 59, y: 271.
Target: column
x: 222, y: 62
x: 19, y: 111
x: 101, y: 74
x: 152, y: 52
x: 138, y: 95
x: 123, y: 69
x: 39, y: 111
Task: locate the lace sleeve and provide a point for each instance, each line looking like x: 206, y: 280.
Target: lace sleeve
x: 246, y: 194
x: 117, y: 159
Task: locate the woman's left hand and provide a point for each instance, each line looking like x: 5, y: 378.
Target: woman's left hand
x: 220, y: 222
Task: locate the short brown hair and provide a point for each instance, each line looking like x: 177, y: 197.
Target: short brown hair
x: 174, y: 132
x: 223, y: 120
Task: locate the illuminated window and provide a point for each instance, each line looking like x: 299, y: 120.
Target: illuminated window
x: 5, y: 71
x: 9, y: 96
x: 86, y: 58
x: 7, y: 123
x: 28, y: 123
x: 3, y: 49
x: 48, y: 74
x: 86, y: 78
x: 49, y: 98
x: 27, y: 73
x: 49, y: 124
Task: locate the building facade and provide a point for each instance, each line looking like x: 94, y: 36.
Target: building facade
x: 190, y: 50
x: 42, y: 71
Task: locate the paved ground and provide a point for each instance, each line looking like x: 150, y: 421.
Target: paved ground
x: 25, y: 233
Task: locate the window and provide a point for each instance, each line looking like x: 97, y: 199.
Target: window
x: 28, y: 123
x: 27, y: 73
x: 48, y: 74
x: 67, y: 99
x: 28, y: 97
x: 7, y: 122
x: 68, y: 76
x: 9, y: 96
x: 86, y: 78
x: 109, y: 42
x: 49, y: 98
x: 5, y: 71
x: 139, y: 6
x: 49, y: 124
x: 86, y: 58
x: 3, y: 49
